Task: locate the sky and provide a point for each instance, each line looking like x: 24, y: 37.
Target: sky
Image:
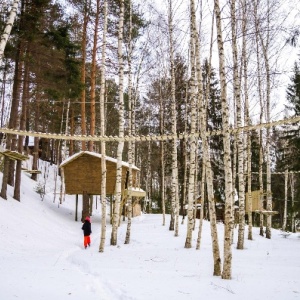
x: 42, y: 257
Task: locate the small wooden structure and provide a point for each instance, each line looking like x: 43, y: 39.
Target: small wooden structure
x: 82, y: 175
x: 255, y: 196
x: 13, y: 155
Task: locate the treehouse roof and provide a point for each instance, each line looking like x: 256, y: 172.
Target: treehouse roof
x: 82, y: 174
x: 96, y: 155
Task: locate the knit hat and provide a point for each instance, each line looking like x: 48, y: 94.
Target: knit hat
x: 88, y: 219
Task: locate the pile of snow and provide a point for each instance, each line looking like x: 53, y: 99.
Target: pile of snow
x: 42, y: 257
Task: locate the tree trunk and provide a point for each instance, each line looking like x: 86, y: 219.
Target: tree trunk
x: 93, y: 76
x: 85, y: 205
x: 248, y: 158
x: 240, y: 140
x: 206, y: 152
x: 265, y: 43
x: 25, y: 97
x: 72, y: 131
x: 11, y: 140
x: 259, y: 74
x: 286, y: 176
x: 192, y: 139
x: 102, y: 130
x: 8, y: 27
x: 162, y: 156
x: 130, y: 125
x: 121, y: 130
x: 226, y: 274
x: 83, y: 72
x: 292, y: 182
x: 174, y: 184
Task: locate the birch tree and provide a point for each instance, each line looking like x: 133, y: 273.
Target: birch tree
x: 292, y: 186
x: 130, y: 125
x: 8, y: 27
x: 102, y: 130
x: 265, y: 41
x: 121, y: 128
x: 207, y: 168
x: 174, y: 184
x: 162, y: 153
x: 192, y: 138
x: 226, y: 273
x: 259, y: 82
x: 240, y: 145
x: 247, y: 143
x: 286, y: 177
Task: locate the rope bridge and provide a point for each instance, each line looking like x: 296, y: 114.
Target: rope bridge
x: 141, y: 138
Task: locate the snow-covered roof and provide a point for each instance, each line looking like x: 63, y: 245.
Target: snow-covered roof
x: 98, y: 155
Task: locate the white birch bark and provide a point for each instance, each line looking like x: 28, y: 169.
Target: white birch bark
x: 292, y: 183
x: 8, y: 27
x: 192, y: 138
x: 121, y: 129
x: 286, y: 176
x: 102, y: 130
x: 148, y: 180
x: 259, y: 73
x: 226, y: 273
x: 261, y: 183
x: 64, y: 156
x: 162, y: 155
x: 207, y: 169
x: 268, y: 158
x: 130, y: 153
x: 203, y: 121
x: 240, y: 140
x: 198, y: 244
x: 247, y: 143
x: 264, y: 40
x: 185, y: 158
x: 174, y: 184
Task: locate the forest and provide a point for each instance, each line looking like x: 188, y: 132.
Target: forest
x: 203, y: 97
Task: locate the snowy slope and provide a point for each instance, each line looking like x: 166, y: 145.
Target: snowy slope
x: 42, y: 257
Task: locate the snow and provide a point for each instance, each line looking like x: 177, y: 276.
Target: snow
x: 42, y: 257
x: 98, y: 155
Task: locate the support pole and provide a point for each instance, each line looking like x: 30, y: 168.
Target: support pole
x: 76, y: 208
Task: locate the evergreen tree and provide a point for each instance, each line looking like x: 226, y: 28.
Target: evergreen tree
x: 293, y: 133
x: 214, y: 123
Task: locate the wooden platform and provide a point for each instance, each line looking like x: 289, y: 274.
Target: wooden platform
x: 267, y: 212
x: 32, y: 171
x: 14, y: 155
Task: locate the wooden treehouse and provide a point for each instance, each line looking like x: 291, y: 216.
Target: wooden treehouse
x: 82, y: 176
x: 258, y: 203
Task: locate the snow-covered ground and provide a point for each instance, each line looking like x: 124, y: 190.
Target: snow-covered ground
x: 42, y: 257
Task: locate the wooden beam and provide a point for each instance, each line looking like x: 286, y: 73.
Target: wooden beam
x: 14, y: 155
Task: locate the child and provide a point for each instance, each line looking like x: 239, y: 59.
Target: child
x: 87, y: 230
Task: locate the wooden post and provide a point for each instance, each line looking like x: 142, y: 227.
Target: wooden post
x: 111, y: 209
x: 91, y: 204
x: 76, y: 208
x: 85, y: 205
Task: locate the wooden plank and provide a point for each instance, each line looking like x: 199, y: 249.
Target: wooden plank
x: 14, y: 155
x: 267, y: 212
x: 33, y: 171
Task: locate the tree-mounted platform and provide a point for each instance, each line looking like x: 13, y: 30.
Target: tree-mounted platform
x: 267, y: 212
x: 33, y: 171
x: 14, y: 155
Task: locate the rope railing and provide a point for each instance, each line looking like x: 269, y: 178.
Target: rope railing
x: 142, y: 138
